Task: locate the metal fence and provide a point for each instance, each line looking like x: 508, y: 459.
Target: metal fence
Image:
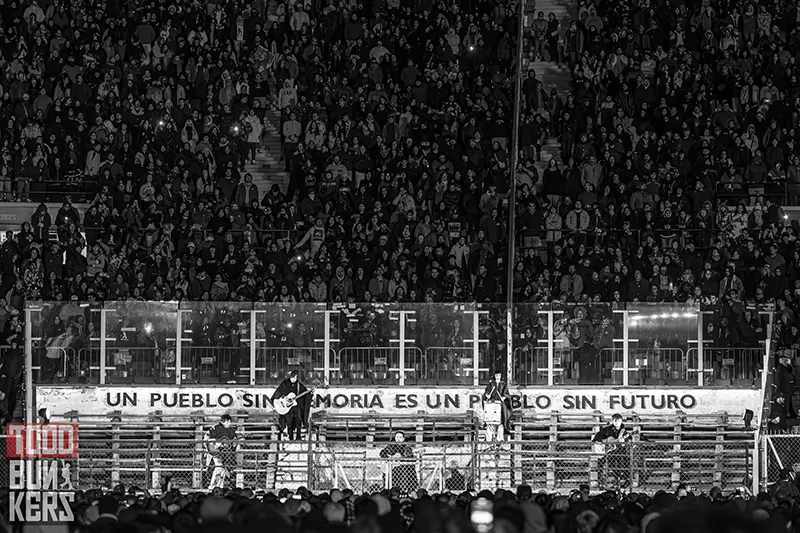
x: 267, y: 464
x: 639, y: 466
x: 368, y: 468
x: 382, y: 344
x: 780, y: 457
x: 186, y: 464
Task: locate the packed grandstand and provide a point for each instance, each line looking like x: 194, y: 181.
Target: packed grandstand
x: 224, y: 192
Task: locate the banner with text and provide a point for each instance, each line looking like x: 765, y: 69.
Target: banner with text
x: 388, y: 401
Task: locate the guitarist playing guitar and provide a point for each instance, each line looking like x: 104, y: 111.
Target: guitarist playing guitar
x: 221, y: 446
x: 293, y: 395
x: 616, y: 459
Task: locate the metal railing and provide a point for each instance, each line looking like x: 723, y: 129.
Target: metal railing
x: 639, y: 466
x: 646, y: 366
x: 368, y: 467
x: 443, y: 344
x: 274, y: 362
x: 781, y: 457
x: 381, y: 366
x: 730, y: 365
x: 779, y: 192
x: 545, y: 239
x: 185, y: 463
x: 23, y: 188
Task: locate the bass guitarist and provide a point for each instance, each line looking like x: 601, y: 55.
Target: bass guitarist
x: 297, y: 417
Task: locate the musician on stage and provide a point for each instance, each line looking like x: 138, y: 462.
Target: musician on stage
x: 497, y: 391
x: 297, y: 417
x: 221, y: 446
x: 617, y: 458
x: 612, y: 430
x: 404, y: 476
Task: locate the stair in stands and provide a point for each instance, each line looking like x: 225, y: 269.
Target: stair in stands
x: 552, y: 75
x: 564, y: 11
x: 557, y: 77
x: 260, y: 169
x: 270, y: 168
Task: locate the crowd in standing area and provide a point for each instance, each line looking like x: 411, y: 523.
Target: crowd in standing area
x: 341, y: 511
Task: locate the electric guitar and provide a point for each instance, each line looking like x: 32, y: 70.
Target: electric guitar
x: 283, y: 405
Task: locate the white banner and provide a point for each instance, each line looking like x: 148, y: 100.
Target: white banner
x: 145, y: 400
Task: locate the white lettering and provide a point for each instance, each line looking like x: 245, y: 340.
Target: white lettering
x: 67, y: 442
x: 50, y: 506
x: 17, y: 432
x: 67, y: 499
x: 33, y: 506
x: 34, y: 474
x: 16, y: 475
x: 15, y: 501
x: 49, y: 474
x: 36, y: 506
x: 32, y: 443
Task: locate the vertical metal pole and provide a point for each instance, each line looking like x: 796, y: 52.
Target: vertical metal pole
x: 509, y: 344
x: 253, y: 322
x: 401, y: 316
x: 475, y: 347
x: 760, y: 467
x: 768, y: 362
x: 327, y: 343
x: 103, y: 335
x: 29, y: 407
x: 551, y: 345
x: 514, y: 160
x: 626, y: 345
x: 700, y: 363
x: 626, y: 363
x: 551, y: 348
x: 326, y: 347
x: 756, y: 464
x: 179, y: 347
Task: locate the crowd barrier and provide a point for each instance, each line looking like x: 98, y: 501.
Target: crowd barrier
x: 638, y: 466
x: 381, y: 366
x: 780, y: 455
x: 362, y: 467
x: 386, y: 344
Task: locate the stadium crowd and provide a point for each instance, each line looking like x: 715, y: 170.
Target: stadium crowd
x: 392, y: 512
x: 677, y: 141
x: 396, y: 132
